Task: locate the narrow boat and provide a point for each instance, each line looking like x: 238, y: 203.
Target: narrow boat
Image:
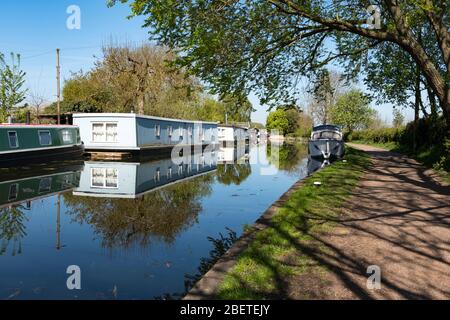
x: 26, y: 144
x: 326, y: 142
x: 133, y: 179
x: 109, y: 132
x: 229, y: 134
x: 42, y: 185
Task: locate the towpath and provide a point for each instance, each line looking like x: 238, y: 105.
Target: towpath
x: 397, y: 219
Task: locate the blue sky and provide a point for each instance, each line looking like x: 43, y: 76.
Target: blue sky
x: 35, y: 28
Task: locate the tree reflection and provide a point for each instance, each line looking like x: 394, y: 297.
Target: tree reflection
x: 228, y: 174
x: 161, y: 214
x: 290, y: 156
x: 12, y: 229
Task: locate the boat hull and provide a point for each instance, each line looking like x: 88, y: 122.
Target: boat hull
x: 326, y: 148
x: 45, y: 155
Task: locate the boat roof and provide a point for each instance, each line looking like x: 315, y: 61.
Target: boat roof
x: 23, y: 125
x: 221, y: 125
x: 327, y: 127
x: 134, y: 115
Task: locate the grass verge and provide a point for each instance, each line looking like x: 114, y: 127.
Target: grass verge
x: 427, y: 157
x: 264, y: 267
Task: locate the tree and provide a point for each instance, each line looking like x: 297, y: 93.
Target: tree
x: 326, y: 86
x: 138, y: 79
x: 278, y: 120
x: 238, y: 109
x: 352, y: 111
x: 399, y: 119
x: 12, y: 80
x: 37, y: 101
x: 266, y: 45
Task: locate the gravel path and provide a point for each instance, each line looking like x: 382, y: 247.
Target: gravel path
x: 399, y: 220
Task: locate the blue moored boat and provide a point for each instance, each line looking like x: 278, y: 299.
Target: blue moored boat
x: 326, y: 142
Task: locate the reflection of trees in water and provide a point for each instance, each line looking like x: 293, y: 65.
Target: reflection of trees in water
x: 290, y: 156
x: 233, y: 173
x: 12, y: 229
x: 161, y: 214
x: 220, y: 247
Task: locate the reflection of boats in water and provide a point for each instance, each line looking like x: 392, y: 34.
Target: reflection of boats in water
x: 230, y: 155
x: 13, y: 192
x: 132, y: 180
x: 326, y: 142
x: 315, y: 164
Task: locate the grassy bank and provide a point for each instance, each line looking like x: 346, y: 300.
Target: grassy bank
x: 261, y: 270
x: 428, y: 157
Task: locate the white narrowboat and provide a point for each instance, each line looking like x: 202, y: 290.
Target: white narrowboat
x: 133, y: 180
x: 132, y: 132
x: 233, y: 155
x: 232, y: 134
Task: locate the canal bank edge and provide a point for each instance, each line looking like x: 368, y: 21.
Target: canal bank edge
x: 208, y: 286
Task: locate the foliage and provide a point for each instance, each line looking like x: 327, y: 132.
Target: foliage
x: 399, y: 118
x: 12, y: 229
x: 432, y: 147
x: 325, y: 89
x: 278, y: 120
x: 352, y: 111
x: 228, y: 174
x: 140, y: 79
x: 124, y: 222
x: 220, y: 247
x: 12, y: 80
x: 266, y: 46
x: 232, y: 109
x: 382, y: 135
x: 287, y: 157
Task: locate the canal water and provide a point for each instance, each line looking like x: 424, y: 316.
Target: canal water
x: 134, y: 230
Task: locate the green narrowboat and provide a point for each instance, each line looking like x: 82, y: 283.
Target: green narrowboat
x: 15, y: 192
x: 38, y: 143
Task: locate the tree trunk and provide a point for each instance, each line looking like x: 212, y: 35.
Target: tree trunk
x: 141, y: 104
x: 416, y: 108
x: 433, y: 106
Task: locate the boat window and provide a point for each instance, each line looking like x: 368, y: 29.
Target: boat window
x: 104, y: 132
x: 45, y: 139
x: 105, y: 178
x: 190, y: 131
x: 111, y: 132
x: 67, y: 136
x: 13, y: 192
x: 158, y: 131
x: 45, y: 185
x: 170, y: 131
x: 202, y: 134
x: 13, y: 141
x: 181, y: 133
x: 98, y: 134
x: 326, y: 135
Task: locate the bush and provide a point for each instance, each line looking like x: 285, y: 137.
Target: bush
x: 432, y: 141
x: 382, y: 135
